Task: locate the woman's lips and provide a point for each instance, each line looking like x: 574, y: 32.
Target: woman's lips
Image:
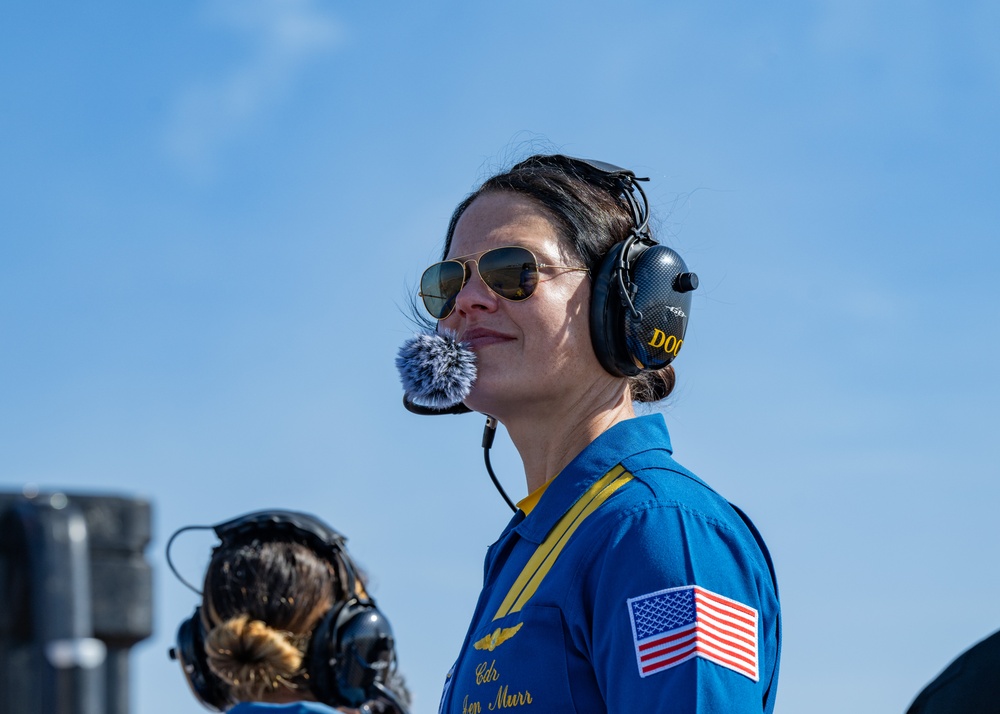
x: 480, y: 337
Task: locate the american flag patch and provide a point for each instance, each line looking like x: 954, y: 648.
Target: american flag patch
x: 672, y: 626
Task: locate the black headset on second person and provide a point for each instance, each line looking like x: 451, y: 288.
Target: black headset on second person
x: 352, y: 648
x: 641, y: 295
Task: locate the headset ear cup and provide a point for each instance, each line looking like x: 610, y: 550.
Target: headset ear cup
x: 351, y: 649
x: 190, y: 652
x: 606, y: 320
x: 321, y: 658
x: 625, y: 344
x: 663, y: 298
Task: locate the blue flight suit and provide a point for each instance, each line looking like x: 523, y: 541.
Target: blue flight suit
x: 292, y: 708
x: 630, y: 587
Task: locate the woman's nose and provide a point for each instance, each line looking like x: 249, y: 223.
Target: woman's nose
x: 474, y: 295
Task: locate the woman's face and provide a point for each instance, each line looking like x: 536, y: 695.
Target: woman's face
x: 533, y: 351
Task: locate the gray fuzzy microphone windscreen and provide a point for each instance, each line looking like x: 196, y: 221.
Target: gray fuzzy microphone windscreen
x: 436, y: 369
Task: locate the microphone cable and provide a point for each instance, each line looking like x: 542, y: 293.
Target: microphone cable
x: 489, y: 433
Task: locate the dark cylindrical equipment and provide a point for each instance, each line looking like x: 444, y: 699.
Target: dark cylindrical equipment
x: 75, y: 596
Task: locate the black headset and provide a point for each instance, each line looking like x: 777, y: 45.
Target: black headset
x: 641, y: 296
x: 351, y: 651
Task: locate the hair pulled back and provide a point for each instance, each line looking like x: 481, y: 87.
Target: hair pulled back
x: 262, y: 601
x: 252, y: 658
x: 590, y: 217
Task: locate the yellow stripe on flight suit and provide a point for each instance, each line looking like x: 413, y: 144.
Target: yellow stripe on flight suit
x: 546, y: 554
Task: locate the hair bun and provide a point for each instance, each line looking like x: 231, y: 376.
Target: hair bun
x: 252, y: 658
x: 652, y: 386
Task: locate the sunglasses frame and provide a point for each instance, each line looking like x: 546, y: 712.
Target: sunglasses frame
x: 464, y: 261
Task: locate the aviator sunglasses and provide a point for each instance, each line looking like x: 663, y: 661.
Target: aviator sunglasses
x: 510, y: 272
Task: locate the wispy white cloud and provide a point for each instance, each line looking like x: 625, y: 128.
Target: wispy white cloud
x: 284, y: 36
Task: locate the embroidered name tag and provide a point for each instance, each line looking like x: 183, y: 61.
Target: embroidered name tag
x: 671, y: 626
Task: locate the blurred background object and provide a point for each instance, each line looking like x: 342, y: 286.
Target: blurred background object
x: 75, y: 596
x: 969, y: 685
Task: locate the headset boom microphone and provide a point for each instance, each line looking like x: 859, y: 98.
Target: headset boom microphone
x: 437, y: 372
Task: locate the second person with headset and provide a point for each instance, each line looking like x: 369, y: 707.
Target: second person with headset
x: 286, y: 625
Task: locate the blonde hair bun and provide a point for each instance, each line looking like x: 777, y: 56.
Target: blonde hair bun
x: 252, y: 658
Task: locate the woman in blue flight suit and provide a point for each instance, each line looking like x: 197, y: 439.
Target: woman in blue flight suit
x: 623, y: 582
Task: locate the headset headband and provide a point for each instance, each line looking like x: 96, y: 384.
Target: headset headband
x: 296, y: 526
x: 614, y: 179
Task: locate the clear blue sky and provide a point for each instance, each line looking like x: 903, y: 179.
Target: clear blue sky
x: 212, y: 216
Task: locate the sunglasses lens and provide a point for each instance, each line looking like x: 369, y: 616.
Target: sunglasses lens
x: 439, y: 286
x: 511, y: 273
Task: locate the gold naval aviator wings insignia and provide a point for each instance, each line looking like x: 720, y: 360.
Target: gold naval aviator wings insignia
x: 499, y: 636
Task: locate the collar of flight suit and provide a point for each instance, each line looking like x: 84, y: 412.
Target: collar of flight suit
x: 594, y: 462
